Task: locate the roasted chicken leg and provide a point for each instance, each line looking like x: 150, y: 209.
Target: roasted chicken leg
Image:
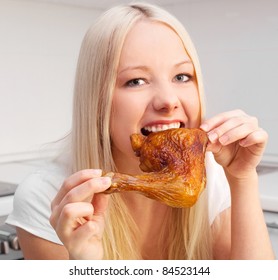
x: 174, y: 162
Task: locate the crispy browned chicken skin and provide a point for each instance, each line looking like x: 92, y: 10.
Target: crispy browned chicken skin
x: 174, y: 160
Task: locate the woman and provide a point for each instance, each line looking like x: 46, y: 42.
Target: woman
x: 138, y: 70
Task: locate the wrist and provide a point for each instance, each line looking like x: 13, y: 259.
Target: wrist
x: 242, y: 178
x: 246, y: 180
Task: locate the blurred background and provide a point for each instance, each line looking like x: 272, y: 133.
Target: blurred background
x: 237, y: 42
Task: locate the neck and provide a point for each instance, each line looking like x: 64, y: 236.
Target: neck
x: 143, y: 208
x: 149, y: 215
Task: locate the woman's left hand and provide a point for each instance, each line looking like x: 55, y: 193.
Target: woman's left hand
x: 236, y: 141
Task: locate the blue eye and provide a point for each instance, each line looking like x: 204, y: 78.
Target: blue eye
x: 135, y: 83
x: 183, y: 78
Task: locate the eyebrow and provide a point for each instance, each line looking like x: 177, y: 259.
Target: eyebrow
x: 139, y: 67
x: 188, y: 61
x: 145, y: 68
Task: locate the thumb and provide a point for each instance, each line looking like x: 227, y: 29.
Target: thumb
x: 100, y: 202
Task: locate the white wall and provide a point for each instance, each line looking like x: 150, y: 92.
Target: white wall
x: 238, y: 48
x: 39, y: 45
x: 237, y: 43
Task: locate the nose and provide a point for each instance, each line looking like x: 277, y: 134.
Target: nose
x: 165, y: 100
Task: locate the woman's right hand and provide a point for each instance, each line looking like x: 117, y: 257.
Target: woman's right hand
x: 78, y: 212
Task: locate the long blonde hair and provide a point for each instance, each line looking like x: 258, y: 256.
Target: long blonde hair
x: 187, y: 230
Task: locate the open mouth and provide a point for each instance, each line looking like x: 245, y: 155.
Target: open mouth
x: 147, y: 130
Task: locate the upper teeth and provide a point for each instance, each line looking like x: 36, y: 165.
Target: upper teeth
x: 161, y: 127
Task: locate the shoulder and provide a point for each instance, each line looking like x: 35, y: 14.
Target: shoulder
x: 46, y: 180
x: 217, y: 187
x: 32, y: 201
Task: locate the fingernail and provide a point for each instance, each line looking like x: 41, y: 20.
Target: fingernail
x: 243, y: 143
x: 97, y: 172
x: 223, y: 139
x: 204, y: 126
x: 212, y: 137
x: 106, y: 181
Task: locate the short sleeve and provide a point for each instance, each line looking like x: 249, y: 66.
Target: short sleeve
x: 32, y: 203
x: 219, y: 197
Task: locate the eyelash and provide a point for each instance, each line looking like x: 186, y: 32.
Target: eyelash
x: 189, y: 77
x: 130, y: 83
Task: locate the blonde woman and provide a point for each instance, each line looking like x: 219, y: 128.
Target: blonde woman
x: 137, y: 71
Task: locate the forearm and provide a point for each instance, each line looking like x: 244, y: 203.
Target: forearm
x: 250, y: 238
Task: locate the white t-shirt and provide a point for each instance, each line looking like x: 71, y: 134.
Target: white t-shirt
x: 31, y: 210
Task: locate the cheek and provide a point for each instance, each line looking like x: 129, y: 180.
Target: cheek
x: 127, y: 111
x: 194, y: 106
x: 191, y: 106
x: 123, y: 113
x: 125, y: 117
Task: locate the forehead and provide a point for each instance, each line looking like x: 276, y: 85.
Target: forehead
x: 150, y: 39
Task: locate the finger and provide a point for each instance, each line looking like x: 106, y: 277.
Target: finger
x: 74, y: 180
x: 85, y: 191
x: 215, y: 148
x: 219, y: 119
x: 258, y: 138
x: 89, y: 230
x: 237, y: 133
x: 69, y: 218
x: 233, y: 129
x: 95, y: 226
x: 100, y: 203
